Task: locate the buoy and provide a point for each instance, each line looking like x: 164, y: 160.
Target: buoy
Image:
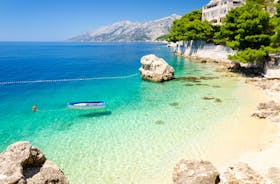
x: 34, y: 108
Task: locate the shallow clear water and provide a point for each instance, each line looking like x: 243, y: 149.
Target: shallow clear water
x: 142, y: 132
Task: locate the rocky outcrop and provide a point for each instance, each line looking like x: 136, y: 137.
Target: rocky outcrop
x: 23, y: 164
x: 155, y: 69
x: 241, y: 173
x: 194, y: 172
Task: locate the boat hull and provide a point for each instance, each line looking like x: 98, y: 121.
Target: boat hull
x: 86, y: 105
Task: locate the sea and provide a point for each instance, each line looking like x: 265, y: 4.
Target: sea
x: 145, y: 128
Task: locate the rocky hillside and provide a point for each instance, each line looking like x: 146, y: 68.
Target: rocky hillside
x: 128, y: 31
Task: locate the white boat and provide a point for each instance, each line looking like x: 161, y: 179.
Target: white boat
x: 86, y: 105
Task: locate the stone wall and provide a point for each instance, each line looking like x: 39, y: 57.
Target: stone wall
x: 203, y: 50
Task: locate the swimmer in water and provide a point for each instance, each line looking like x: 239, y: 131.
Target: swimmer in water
x: 34, y: 108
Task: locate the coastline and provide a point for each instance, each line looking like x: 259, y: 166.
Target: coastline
x: 184, y: 125
x: 243, y: 133
x: 261, y: 161
x: 261, y: 149
x: 236, y: 135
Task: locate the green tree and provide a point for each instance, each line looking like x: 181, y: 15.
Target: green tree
x: 278, y: 9
x: 257, y: 56
x: 190, y: 27
x: 262, y: 2
x: 249, y: 29
x: 275, y: 38
x: 246, y: 27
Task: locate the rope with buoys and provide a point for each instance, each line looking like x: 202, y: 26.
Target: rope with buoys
x: 66, y: 80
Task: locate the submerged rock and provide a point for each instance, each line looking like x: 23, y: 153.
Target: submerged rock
x: 181, y: 79
x: 208, y: 77
x: 23, y: 164
x: 174, y: 104
x: 199, y: 84
x: 159, y: 122
x: 218, y: 100
x: 192, y: 78
x: 216, y: 86
x: 208, y: 98
x: 241, y: 173
x: 195, y: 172
x: 155, y: 69
x: 188, y: 85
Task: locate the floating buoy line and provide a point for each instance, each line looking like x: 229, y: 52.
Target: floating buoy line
x: 65, y: 80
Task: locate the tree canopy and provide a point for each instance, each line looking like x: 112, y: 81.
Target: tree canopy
x: 249, y: 29
x: 246, y: 27
x: 190, y: 27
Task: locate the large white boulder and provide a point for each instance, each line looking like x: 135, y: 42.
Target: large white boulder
x: 155, y: 69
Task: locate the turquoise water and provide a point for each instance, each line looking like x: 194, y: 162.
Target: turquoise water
x: 145, y: 127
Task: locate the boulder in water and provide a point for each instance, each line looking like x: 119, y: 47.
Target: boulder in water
x: 155, y: 69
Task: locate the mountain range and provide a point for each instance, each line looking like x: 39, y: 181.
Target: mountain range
x: 128, y: 31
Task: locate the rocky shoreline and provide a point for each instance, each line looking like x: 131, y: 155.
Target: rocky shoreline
x: 192, y: 172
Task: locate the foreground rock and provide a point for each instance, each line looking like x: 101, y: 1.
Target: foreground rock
x: 23, y: 164
x: 241, y: 173
x: 155, y: 69
x: 203, y: 172
x: 195, y: 172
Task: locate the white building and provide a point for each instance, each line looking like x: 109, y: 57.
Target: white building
x: 216, y: 10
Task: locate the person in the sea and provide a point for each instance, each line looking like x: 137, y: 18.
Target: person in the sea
x: 34, y: 108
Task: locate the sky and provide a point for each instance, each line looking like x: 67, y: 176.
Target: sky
x: 58, y: 20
